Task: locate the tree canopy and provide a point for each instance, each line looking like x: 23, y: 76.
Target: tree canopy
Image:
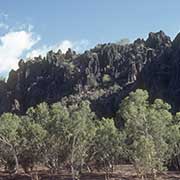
x: 72, y: 137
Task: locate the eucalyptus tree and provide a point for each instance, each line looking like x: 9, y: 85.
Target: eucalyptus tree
x: 146, y: 123
x: 81, y: 133
x: 31, y: 145
x: 108, y: 145
x: 9, y: 138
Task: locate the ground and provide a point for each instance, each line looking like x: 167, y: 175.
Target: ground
x: 122, y: 172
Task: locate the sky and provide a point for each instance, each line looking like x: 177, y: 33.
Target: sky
x: 30, y: 28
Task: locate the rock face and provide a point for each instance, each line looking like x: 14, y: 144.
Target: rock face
x: 104, y: 75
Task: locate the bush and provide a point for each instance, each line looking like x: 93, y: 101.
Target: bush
x: 106, y: 78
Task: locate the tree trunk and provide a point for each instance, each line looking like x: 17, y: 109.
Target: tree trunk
x: 16, y: 160
x: 73, y: 172
x: 154, y: 174
x: 3, y: 140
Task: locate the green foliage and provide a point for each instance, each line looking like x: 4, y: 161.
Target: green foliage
x: 108, y: 143
x: 32, y: 132
x: 145, y: 156
x: 91, y: 80
x: 9, y: 138
x: 9, y: 125
x: 173, y: 139
x: 32, y: 142
x: 57, y: 141
x: 115, y: 88
x: 81, y: 133
x: 40, y: 114
x: 143, y: 119
x: 58, y: 135
x: 133, y: 110
x: 106, y: 78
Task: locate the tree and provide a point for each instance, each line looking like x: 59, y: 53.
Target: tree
x: 143, y: 119
x: 39, y: 114
x: 81, y: 133
x: 54, y: 120
x: 57, y: 141
x: 32, y: 138
x: 133, y: 111
x: 145, y: 156
x: 108, y: 145
x: 159, y: 121
x: 69, y: 133
x: 173, y: 140
x: 9, y: 125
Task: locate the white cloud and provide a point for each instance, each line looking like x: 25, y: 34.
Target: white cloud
x: 64, y: 46
x: 81, y: 46
x: 40, y: 51
x: 78, y: 46
x: 18, y: 40
x: 12, y: 46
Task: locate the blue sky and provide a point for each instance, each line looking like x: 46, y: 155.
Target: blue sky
x: 37, y: 26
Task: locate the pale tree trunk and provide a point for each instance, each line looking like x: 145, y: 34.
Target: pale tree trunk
x: 154, y: 174
x: 72, y: 171
x: 72, y: 159
x: 16, y: 160
x: 3, y: 140
x: 106, y: 168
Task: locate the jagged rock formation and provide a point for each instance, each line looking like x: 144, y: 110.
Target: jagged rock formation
x: 104, y: 75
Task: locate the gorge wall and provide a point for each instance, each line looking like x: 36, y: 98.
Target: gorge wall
x: 104, y: 75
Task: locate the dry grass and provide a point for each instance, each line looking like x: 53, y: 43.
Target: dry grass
x: 122, y: 172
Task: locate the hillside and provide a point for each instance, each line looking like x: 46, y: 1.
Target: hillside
x: 104, y: 75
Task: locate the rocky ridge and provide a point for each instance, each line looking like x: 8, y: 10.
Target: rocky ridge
x: 104, y: 75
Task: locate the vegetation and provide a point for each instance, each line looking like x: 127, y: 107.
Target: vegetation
x: 74, y: 138
x: 106, y: 78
